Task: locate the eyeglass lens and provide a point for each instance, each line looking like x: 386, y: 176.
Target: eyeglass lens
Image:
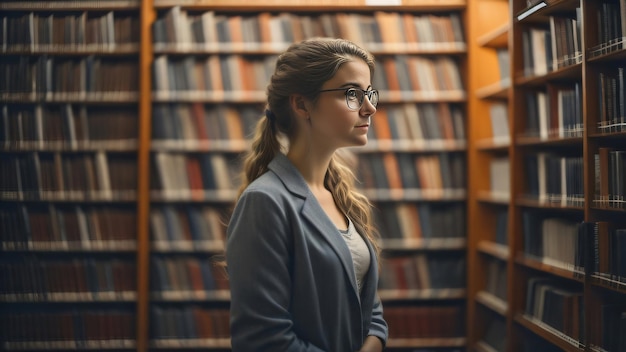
x: 356, y: 97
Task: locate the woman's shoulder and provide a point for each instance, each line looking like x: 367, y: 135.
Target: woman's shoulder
x: 268, y: 184
x: 282, y: 180
x: 265, y: 195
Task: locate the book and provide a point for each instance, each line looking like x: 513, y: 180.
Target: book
x: 500, y: 177
x: 392, y: 169
x: 499, y: 117
x: 495, y: 334
x: 502, y: 227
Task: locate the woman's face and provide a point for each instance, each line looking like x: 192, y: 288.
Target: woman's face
x: 332, y: 121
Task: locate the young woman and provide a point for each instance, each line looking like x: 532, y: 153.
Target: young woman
x: 301, y: 253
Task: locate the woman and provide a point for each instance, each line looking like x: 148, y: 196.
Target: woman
x: 301, y: 253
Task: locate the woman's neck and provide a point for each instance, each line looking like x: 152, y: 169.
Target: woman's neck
x: 312, y: 167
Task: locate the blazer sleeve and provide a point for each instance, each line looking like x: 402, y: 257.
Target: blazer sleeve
x: 258, y: 261
x: 378, y: 326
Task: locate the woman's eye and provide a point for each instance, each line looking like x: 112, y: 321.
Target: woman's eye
x: 352, y: 94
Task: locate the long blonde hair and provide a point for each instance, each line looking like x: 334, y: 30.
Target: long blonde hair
x: 302, y: 69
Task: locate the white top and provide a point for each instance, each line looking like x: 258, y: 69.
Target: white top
x: 360, y: 253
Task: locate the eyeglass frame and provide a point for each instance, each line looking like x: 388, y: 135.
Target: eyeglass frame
x: 368, y: 93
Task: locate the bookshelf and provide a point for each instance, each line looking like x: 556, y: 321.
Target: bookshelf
x: 565, y: 211
x: 70, y: 262
x: 115, y: 117
x: 489, y: 174
x: 407, y: 134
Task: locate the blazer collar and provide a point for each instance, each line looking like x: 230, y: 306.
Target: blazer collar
x: 289, y: 175
x: 313, y: 212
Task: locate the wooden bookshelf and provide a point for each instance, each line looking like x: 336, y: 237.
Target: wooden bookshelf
x: 72, y: 228
x: 115, y: 190
x: 489, y: 144
x: 319, y: 6
x: 421, y: 144
x: 579, y: 56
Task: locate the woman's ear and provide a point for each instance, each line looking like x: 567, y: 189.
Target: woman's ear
x: 299, y: 106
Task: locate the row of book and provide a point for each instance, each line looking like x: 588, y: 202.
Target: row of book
x: 407, y: 73
x: 67, y: 227
x: 203, y: 77
x: 187, y: 175
x: 204, y: 30
x: 422, y: 271
x: 434, y: 321
x: 575, y: 246
x: 189, y: 322
x: 612, y: 327
x: 555, y: 113
x: 84, y: 227
x: 185, y: 274
x: 551, y: 49
x: 418, y: 123
x: 195, y: 78
x: 561, y: 243
x: 536, y: 48
x: 105, y: 176
x: 35, y: 31
x: 556, y: 305
x: 197, y: 123
x: 196, y: 75
x: 496, y: 278
x: 67, y: 127
x: 555, y: 179
x: 610, y: 186
x: 612, y: 100
x: 426, y: 221
x: 68, y: 77
x: 83, y: 328
x: 608, y: 242
x: 566, y: 39
x: 77, y: 127
x: 557, y: 241
x: 611, y: 29
x: 187, y: 227
x: 48, y: 279
x: 436, y: 172
x: 80, y: 176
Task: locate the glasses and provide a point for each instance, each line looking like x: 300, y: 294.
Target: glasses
x: 356, y: 96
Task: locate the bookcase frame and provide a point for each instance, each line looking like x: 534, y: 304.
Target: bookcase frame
x: 595, y: 291
x: 489, y: 32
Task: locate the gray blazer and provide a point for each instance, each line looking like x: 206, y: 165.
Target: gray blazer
x: 292, y: 281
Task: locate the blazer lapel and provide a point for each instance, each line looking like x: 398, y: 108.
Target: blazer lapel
x: 318, y: 218
x: 369, y: 290
x: 313, y: 212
